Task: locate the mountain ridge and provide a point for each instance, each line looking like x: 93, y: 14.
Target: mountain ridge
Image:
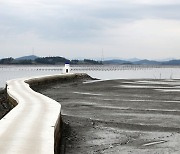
x: 33, y: 59
x: 30, y: 57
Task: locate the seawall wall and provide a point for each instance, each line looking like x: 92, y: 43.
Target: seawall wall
x: 34, y: 124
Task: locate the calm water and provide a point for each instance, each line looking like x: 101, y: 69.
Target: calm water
x: 101, y: 72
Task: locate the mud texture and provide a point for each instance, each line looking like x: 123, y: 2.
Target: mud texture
x: 119, y: 116
x: 5, y: 107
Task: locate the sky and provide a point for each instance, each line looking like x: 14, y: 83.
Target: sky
x: 148, y: 29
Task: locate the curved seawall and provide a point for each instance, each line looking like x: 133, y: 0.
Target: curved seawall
x: 33, y: 125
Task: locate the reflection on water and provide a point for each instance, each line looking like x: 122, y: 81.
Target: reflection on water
x: 103, y: 72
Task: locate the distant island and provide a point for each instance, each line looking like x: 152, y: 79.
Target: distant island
x: 56, y: 60
x: 35, y: 60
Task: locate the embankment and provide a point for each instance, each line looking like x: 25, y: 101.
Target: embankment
x: 5, y: 106
x: 34, y: 124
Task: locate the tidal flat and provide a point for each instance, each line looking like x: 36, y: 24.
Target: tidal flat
x: 118, y: 116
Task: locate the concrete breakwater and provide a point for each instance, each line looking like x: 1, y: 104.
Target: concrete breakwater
x: 33, y: 125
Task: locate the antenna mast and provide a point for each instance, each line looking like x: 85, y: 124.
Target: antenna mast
x: 102, y: 56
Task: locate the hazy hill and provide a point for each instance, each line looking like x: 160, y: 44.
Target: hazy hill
x: 172, y: 62
x: 133, y: 59
x: 138, y: 62
x: 51, y: 60
x: 146, y: 62
x: 30, y: 57
x: 116, y: 61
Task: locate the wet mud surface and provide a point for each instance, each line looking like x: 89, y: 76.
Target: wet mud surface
x: 5, y: 107
x: 119, y: 116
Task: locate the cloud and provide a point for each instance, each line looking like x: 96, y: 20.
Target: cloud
x: 155, y: 2
x: 69, y: 19
x: 122, y: 25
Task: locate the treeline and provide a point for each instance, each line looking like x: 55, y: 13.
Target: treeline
x: 85, y: 61
x: 51, y: 60
x: 34, y: 60
x: 47, y: 60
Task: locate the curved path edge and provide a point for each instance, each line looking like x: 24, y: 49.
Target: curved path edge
x: 33, y: 125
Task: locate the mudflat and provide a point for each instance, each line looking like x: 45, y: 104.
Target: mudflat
x: 5, y: 107
x: 119, y: 116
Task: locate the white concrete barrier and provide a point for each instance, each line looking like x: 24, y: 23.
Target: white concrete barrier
x: 33, y: 125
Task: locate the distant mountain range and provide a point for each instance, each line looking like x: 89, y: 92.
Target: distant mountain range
x: 32, y: 59
x: 116, y: 61
x: 142, y: 62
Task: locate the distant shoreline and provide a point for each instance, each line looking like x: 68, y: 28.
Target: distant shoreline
x: 56, y: 60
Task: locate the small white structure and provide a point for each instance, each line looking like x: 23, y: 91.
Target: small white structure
x: 66, y: 68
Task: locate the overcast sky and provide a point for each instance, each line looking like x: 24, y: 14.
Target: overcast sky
x: 83, y: 28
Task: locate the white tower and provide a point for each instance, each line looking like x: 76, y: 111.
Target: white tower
x: 66, y: 68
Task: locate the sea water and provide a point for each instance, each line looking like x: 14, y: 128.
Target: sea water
x: 104, y: 72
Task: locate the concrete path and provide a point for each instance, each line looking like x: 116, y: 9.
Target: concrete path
x: 29, y: 127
